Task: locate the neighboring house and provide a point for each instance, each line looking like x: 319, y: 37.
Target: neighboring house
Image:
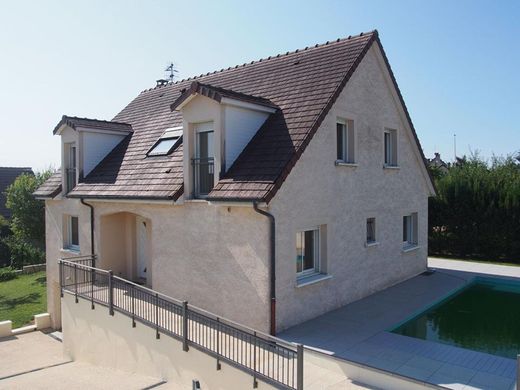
x: 438, y: 163
x: 7, y: 177
x: 269, y: 192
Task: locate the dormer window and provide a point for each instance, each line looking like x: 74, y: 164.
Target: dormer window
x: 203, y: 162
x: 71, y: 167
x: 166, y: 143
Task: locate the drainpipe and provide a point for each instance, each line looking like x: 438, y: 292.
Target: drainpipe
x: 272, y: 254
x: 92, y: 251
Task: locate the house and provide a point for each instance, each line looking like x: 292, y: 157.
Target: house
x: 269, y: 192
x: 438, y: 163
x: 7, y: 177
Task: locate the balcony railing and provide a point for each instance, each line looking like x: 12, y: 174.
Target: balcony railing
x: 70, y: 179
x: 203, y: 176
x: 266, y: 358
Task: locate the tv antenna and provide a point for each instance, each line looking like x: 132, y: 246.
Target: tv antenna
x: 172, y: 70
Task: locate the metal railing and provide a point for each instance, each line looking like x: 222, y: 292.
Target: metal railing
x: 88, y: 260
x: 70, y: 179
x: 267, y: 358
x: 203, y: 176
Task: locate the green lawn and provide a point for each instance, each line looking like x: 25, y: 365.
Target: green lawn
x: 22, y: 298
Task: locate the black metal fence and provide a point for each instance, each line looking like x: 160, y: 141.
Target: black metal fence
x: 267, y: 358
x: 203, y: 176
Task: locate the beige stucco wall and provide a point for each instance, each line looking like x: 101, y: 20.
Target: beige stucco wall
x: 319, y: 193
x: 214, y: 257
x: 95, y: 337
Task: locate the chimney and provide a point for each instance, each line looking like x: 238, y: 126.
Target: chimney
x: 161, y: 82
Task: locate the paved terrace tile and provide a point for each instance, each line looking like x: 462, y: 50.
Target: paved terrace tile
x: 359, y: 332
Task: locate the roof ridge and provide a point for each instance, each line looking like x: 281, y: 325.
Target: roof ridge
x: 317, y: 45
x: 94, y: 119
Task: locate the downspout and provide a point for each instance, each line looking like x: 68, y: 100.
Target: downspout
x: 272, y: 255
x: 92, y: 251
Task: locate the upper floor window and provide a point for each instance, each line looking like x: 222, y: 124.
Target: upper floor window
x: 167, y: 143
x: 70, y: 167
x: 307, y: 252
x: 71, y: 233
x: 410, y: 230
x: 371, y: 231
x: 390, y: 147
x: 203, y: 161
x: 345, y: 141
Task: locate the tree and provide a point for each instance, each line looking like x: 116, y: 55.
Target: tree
x: 26, y: 244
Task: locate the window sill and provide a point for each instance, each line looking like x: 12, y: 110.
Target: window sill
x: 391, y: 167
x: 196, y: 200
x: 311, y: 279
x: 341, y: 163
x: 74, y: 251
x: 410, y: 248
x: 371, y: 244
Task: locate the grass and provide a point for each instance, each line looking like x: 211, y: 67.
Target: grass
x: 22, y: 298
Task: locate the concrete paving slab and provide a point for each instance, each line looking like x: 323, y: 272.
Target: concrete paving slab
x: 360, y: 331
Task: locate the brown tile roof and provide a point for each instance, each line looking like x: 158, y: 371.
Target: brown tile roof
x: 50, y: 188
x: 74, y: 122
x: 303, y: 84
x: 217, y: 94
x: 7, y: 177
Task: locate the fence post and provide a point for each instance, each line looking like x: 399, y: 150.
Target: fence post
x: 185, y: 326
x: 299, y: 367
x: 132, y: 299
x: 60, y: 264
x: 110, y: 293
x: 76, y: 282
x: 92, y: 276
x: 218, y: 344
x: 157, y: 335
x: 255, y: 382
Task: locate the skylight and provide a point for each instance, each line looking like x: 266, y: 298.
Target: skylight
x: 166, y: 143
x: 163, y: 147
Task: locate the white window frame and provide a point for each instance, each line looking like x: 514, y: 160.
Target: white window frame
x: 317, y: 251
x: 410, y: 230
x: 391, y: 150
x: 374, y: 241
x: 68, y: 231
x: 347, y: 154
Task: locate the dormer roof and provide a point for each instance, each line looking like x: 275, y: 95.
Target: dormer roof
x: 86, y: 123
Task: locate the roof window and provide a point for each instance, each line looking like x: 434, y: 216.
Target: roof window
x: 166, y: 143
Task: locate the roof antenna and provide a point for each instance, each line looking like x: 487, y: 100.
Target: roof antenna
x: 455, y: 147
x: 170, y: 71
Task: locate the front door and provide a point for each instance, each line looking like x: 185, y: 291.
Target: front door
x: 142, y: 247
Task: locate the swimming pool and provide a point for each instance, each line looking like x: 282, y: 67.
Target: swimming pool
x: 482, y: 316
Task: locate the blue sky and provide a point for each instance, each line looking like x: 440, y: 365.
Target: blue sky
x: 457, y: 62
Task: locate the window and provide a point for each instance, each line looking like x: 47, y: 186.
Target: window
x: 70, y: 169
x: 410, y: 230
x: 166, y: 143
x: 371, y: 230
x: 71, y: 233
x: 345, y: 141
x: 307, y: 252
x: 203, y: 162
x: 390, y: 148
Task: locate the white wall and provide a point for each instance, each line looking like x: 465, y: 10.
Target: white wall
x: 95, y: 337
x: 95, y: 147
x: 317, y: 192
x: 240, y: 125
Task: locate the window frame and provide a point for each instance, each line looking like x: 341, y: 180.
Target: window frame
x: 151, y: 152
x: 347, y: 153
x: 410, y: 236
x: 316, y: 269
x: 68, y: 243
x: 374, y: 240
x: 392, y: 152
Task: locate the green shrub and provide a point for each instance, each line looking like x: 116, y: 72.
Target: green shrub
x: 7, y: 273
x: 23, y: 252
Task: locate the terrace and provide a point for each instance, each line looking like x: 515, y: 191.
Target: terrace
x: 360, y: 332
